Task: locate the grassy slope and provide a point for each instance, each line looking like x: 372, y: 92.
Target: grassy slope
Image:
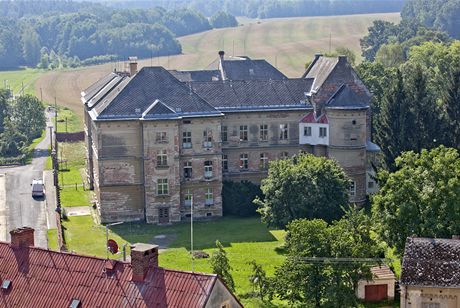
x: 19, y: 78
x: 287, y: 43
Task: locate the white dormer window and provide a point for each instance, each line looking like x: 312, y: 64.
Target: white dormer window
x: 323, y: 132
x: 307, y: 131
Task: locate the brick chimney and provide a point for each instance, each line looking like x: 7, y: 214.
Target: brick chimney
x: 22, y: 237
x: 132, y: 66
x: 144, y: 257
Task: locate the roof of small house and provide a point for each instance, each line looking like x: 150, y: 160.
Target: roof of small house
x: 431, y: 262
x: 311, y: 118
x: 382, y: 272
x: 346, y: 98
x: 45, y: 278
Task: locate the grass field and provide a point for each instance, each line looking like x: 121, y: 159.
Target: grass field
x: 287, y: 43
x: 21, y: 81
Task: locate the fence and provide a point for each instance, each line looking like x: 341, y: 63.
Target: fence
x: 70, y: 137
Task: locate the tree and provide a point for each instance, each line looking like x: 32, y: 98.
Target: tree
x: 28, y: 116
x: 31, y: 46
x: 451, y: 101
x: 390, y: 55
x: 324, y: 281
x: 259, y: 281
x: 237, y: 198
x: 221, y: 266
x: 304, y: 186
x: 420, y: 198
x: 223, y: 20
x: 379, y: 34
x: 339, y: 51
x: 4, y: 96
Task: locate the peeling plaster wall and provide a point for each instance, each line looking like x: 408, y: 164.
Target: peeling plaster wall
x: 415, y: 297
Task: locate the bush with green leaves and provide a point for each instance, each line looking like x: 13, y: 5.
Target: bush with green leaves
x: 237, y: 198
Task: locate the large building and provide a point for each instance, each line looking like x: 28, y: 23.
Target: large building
x: 158, y: 140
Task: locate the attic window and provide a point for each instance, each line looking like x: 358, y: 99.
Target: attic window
x: 75, y: 303
x: 6, y: 284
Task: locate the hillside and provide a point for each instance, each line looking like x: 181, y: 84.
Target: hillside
x: 287, y: 43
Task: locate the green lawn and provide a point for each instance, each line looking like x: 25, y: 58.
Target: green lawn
x: 16, y: 79
x: 244, y: 239
x: 68, y: 121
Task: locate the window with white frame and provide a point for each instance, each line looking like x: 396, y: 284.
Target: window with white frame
x: 186, y: 140
x: 244, y: 161
x: 207, y: 138
x: 188, y: 197
x: 352, y: 189
x: 162, y: 187
x: 243, y: 133
x: 208, y: 169
x: 263, y: 161
x: 161, y: 137
x: 323, y: 132
x: 224, y: 133
x: 263, y: 132
x: 284, y: 155
x: 307, y: 131
x: 188, y: 169
x: 283, y: 131
x: 224, y: 163
x: 162, y: 158
x: 208, y: 197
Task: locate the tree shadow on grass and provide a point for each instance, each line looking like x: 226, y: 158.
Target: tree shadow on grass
x: 227, y: 230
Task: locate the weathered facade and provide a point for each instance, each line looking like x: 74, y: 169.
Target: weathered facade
x: 158, y: 141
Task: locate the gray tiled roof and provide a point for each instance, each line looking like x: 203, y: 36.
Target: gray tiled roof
x: 147, y: 86
x: 346, y: 98
x: 431, y: 262
x: 254, y: 94
x: 248, y: 69
x: 92, y: 90
x: 205, y: 75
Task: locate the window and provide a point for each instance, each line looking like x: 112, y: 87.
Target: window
x: 161, y: 137
x: 208, y: 169
x: 353, y: 122
x: 284, y: 155
x: 322, y: 132
x: 244, y: 161
x: 263, y: 161
x: 283, y: 131
x: 188, y: 197
x: 208, y: 197
x: 307, y: 131
x: 263, y: 132
x: 188, y: 170
x: 162, y: 158
x: 207, y: 138
x: 352, y: 189
x: 243, y: 133
x: 224, y: 134
x: 186, y: 140
x: 370, y: 184
x: 224, y: 163
x: 162, y: 187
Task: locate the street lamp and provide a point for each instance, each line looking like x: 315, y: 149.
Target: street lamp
x: 107, y: 235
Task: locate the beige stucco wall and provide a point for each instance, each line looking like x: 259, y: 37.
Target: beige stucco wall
x: 414, y: 297
x: 360, y: 291
x: 220, y: 296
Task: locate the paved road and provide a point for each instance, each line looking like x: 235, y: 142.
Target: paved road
x: 17, y: 207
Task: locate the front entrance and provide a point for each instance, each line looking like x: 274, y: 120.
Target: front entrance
x: 376, y: 293
x: 163, y: 215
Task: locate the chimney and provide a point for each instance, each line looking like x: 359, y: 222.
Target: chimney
x: 318, y: 55
x: 221, y: 55
x: 132, y: 66
x: 22, y: 237
x: 143, y: 258
x: 456, y: 237
x: 221, y: 65
x: 342, y: 59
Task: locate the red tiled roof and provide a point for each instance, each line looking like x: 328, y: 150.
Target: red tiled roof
x: 311, y: 118
x: 382, y: 272
x: 45, y: 278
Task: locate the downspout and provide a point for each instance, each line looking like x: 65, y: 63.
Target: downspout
x: 143, y: 170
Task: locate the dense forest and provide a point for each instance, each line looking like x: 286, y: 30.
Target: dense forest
x: 271, y: 8
x: 64, y: 33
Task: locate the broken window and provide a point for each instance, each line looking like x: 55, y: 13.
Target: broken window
x: 244, y: 161
x: 188, y: 197
x: 208, y: 197
x: 224, y: 163
x: 207, y: 138
x: 162, y: 187
x: 224, y: 134
x: 188, y: 169
x: 161, y: 137
x: 208, y: 169
x: 322, y: 132
x: 186, y: 140
x: 263, y: 132
x: 307, y: 131
x: 162, y: 158
x: 243, y: 133
x: 263, y: 161
x: 283, y: 131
